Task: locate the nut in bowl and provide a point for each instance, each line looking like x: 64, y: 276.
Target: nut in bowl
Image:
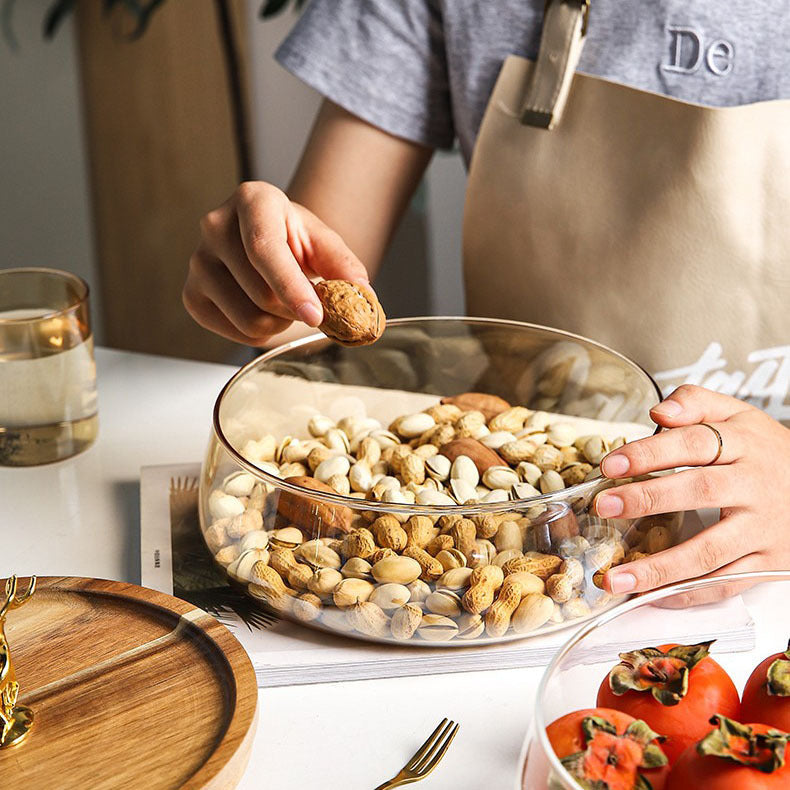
x: 433, y: 488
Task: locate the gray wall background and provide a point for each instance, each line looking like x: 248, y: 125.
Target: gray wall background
x: 45, y: 215
x: 44, y: 194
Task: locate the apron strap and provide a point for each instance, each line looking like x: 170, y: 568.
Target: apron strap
x: 564, y: 28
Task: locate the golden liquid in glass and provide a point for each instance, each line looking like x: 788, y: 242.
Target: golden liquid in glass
x: 48, y: 407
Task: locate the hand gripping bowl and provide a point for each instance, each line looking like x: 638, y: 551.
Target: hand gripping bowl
x: 421, y: 549
x: 747, y: 630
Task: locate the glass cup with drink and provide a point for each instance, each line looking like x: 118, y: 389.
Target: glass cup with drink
x: 48, y: 408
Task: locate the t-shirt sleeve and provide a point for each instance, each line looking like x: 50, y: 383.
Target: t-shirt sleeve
x: 382, y: 60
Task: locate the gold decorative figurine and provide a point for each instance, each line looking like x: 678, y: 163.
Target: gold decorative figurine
x: 15, y: 720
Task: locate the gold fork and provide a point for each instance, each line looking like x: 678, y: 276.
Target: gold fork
x: 426, y: 758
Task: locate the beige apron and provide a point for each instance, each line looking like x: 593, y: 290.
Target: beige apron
x: 658, y: 227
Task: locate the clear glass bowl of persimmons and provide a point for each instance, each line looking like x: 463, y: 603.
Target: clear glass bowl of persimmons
x: 684, y: 688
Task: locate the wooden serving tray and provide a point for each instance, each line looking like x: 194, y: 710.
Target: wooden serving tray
x: 130, y: 688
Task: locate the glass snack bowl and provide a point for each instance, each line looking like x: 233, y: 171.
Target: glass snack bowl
x: 744, y: 613
x: 339, y: 491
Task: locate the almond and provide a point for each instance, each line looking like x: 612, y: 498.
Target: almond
x: 310, y: 515
x: 490, y: 405
x: 482, y: 456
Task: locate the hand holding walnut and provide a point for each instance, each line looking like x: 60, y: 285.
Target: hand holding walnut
x: 249, y: 277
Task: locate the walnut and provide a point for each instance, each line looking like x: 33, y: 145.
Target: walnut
x: 352, y: 313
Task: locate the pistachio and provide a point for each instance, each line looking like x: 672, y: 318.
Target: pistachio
x: 497, y: 439
x: 551, y: 481
x: 292, y: 470
x: 451, y: 558
x: 483, y: 553
x: 534, y: 611
x: 500, y: 477
x: 222, y: 505
x: 437, y: 628
x: 239, y: 484
x: 455, y: 579
x: 357, y: 568
x: 369, y: 619
x: 319, y: 425
x: 444, y: 602
x: 287, y: 538
x: 360, y: 477
x: 470, y: 626
x: 529, y: 472
x: 324, y: 580
x: 462, y: 491
x: 335, y: 465
x: 428, y: 497
x: 524, y: 491
x: 594, y: 449
x: 351, y: 591
x: 418, y: 590
x: 397, y: 569
x: 258, y: 539
x: 463, y: 468
x: 405, y: 621
x: 318, y: 555
x: 239, y: 526
x: 241, y: 568
x: 295, y: 453
x: 530, y: 583
x: 561, y: 434
x: 335, y: 439
x: 497, y: 495
x: 390, y: 596
x: 306, y: 607
x: 413, y: 425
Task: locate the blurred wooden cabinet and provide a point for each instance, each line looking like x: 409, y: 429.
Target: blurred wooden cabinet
x: 161, y: 152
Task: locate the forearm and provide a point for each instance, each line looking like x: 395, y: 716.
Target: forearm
x: 358, y: 180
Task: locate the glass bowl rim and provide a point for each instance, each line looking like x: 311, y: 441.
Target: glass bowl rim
x: 570, y: 493
x: 81, y: 295
x: 606, y: 617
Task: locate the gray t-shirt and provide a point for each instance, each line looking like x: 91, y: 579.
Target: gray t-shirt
x: 424, y: 69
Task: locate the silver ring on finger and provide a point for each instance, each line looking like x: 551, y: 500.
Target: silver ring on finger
x: 718, y: 439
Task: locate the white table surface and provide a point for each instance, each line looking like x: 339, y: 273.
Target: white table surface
x: 80, y: 517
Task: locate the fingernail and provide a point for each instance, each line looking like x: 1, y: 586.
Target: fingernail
x: 608, y: 506
x: 669, y: 408
x: 309, y: 313
x: 615, y: 465
x: 622, y: 583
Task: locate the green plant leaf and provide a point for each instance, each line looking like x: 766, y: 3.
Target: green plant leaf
x: 55, y: 15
